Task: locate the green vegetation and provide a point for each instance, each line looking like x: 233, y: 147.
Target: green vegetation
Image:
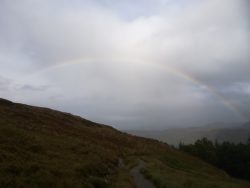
x: 40, y: 148
x: 231, y: 157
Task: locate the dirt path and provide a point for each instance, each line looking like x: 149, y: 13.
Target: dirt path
x: 139, y: 179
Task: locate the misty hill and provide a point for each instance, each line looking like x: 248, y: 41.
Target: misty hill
x: 40, y: 147
x: 234, y: 132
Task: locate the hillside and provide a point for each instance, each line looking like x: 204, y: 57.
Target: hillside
x: 40, y: 147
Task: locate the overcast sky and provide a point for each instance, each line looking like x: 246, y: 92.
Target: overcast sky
x: 132, y: 64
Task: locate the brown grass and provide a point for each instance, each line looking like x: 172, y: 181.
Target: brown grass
x: 40, y: 147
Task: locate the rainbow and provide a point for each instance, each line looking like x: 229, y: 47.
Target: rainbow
x: 174, y: 70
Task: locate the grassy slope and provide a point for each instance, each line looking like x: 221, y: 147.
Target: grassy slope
x: 40, y: 147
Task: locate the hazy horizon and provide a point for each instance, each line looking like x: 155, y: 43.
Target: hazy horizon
x: 131, y: 64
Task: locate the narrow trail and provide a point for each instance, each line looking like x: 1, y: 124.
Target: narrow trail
x: 139, y: 179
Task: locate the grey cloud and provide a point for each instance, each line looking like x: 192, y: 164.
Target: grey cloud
x: 4, y: 83
x: 150, y: 65
x: 33, y: 88
x: 241, y: 88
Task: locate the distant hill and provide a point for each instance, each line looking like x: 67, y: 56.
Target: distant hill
x: 40, y: 147
x: 246, y: 125
x: 234, y: 132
